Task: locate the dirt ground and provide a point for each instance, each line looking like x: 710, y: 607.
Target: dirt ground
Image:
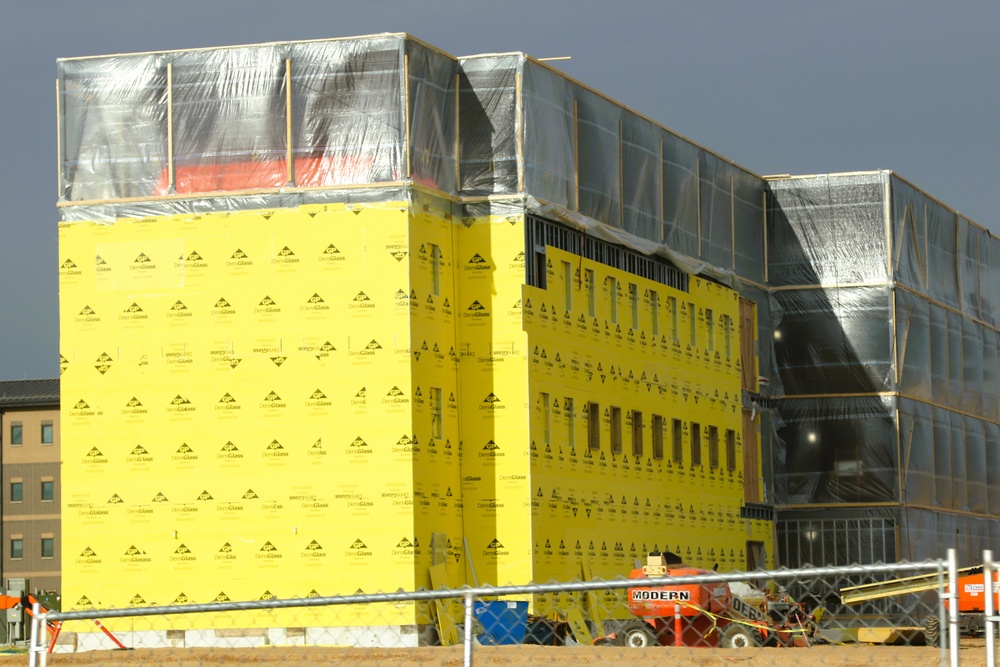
x: 972, y: 654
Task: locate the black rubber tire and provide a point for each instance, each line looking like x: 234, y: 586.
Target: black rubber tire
x: 932, y: 631
x: 735, y: 635
x: 637, y: 634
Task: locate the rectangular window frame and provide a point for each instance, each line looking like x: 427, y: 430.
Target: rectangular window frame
x: 695, y: 444
x: 638, y: 433
x: 435, y: 257
x: 656, y: 430
x: 48, y: 490
x: 692, y: 325
x: 633, y: 296
x: 593, y: 425
x: 48, y: 547
x: 437, y: 413
x: 677, y: 441
x: 16, y: 548
x: 613, y: 291
x: 616, y: 429
x: 16, y: 491
x: 654, y: 311
x: 545, y: 400
x: 568, y: 284
x: 591, y: 293
x: 727, y: 331
x: 713, y: 447
x: 568, y: 409
x: 48, y: 433
x: 675, y: 319
x: 16, y: 434
x: 710, y: 328
x: 730, y: 450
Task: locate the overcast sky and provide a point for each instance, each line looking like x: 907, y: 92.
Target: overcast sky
x: 780, y: 87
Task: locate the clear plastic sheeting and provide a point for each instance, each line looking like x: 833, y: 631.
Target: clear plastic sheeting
x: 228, y: 121
x: 527, y: 130
x: 356, y: 111
x: 114, y: 126
x: 487, y: 134
x: 925, y: 532
x: 347, y: 105
x: 839, y: 450
x: 836, y: 341
x: 950, y: 461
x: 827, y: 230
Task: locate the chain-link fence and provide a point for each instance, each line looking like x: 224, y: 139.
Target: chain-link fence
x: 840, y: 615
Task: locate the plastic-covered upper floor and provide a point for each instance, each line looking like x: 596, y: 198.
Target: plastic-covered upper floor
x: 888, y: 346
x: 300, y: 117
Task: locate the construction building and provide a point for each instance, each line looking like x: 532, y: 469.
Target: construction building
x: 29, y: 452
x: 303, y: 285
x: 886, y: 351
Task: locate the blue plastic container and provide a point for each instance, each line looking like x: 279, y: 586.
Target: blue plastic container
x: 503, y: 622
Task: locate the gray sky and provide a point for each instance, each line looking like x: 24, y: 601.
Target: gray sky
x: 778, y: 86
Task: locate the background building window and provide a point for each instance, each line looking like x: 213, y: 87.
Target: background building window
x: 48, y: 547
x: 16, y: 492
x: 48, y: 490
x: 46, y: 433
x: 16, y: 433
x: 16, y: 548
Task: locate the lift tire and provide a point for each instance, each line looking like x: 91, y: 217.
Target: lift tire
x: 932, y: 631
x: 735, y: 635
x: 636, y: 634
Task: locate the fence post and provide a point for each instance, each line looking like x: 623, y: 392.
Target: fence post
x: 953, y: 605
x: 468, y: 629
x: 991, y: 659
x: 33, y: 641
x: 678, y: 628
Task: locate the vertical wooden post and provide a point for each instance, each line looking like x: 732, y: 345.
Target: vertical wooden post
x: 732, y: 217
x: 458, y: 143
x: 519, y: 129
x: 576, y: 156
x: 659, y: 189
x: 406, y: 113
x: 697, y: 176
x: 171, y: 173
x: 887, y: 215
x: 289, y: 153
x: 621, y: 177
x: 766, y: 229
x: 59, y: 155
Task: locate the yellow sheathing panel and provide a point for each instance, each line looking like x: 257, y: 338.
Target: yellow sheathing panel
x: 489, y: 270
x: 237, y: 408
x: 436, y: 445
x: 612, y: 507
